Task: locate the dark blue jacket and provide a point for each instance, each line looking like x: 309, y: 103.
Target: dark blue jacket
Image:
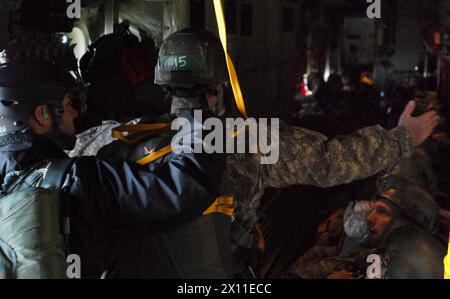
x: 120, y: 195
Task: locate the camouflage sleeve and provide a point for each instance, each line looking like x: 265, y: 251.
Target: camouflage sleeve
x: 91, y: 141
x: 309, y: 265
x: 309, y: 158
x: 353, y: 261
x: 319, y: 270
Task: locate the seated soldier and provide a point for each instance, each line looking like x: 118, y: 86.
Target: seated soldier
x: 400, y: 232
x: 403, y: 222
x: 342, y: 232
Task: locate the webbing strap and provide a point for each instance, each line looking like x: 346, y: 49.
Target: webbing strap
x: 155, y: 155
x: 118, y: 132
x: 56, y: 172
x: 220, y: 17
x: 223, y: 205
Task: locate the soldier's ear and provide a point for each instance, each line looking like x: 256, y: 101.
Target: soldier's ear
x: 42, y: 116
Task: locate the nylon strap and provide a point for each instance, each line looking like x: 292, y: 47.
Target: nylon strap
x: 223, y: 205
x: 155, y: 155
x: 118, y: 132
x: 239, y: 98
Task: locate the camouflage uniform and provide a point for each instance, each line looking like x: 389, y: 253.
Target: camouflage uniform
x: 91, y: 141
x: 330, y: 253
x: 327, y: 246
x: 320, y: 262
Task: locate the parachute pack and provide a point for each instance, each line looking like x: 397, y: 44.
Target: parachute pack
x: 33, y: 224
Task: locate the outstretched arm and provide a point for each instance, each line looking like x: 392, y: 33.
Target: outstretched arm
x: 309, y: 158
x: 126, y: 195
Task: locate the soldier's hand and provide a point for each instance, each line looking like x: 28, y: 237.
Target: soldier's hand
x: 420, y: 127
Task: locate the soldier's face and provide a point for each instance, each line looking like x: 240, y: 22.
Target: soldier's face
x: 61, y: 117
x: 69, y: 116
x: 379, y: 219
x: 56, y: 122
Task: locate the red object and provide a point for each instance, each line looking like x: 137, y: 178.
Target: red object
x: 304, y: 89
x: 134, y: 66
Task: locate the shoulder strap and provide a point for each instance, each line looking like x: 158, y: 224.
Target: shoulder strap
x: 55, y: 176
x: 118, y: 133
x: 26, y: 174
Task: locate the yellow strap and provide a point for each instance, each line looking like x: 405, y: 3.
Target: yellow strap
x: 447, y: 262
x: 223, y: 205
x: 220, y: 17
x: 155, y: 155
x: 118, y: 132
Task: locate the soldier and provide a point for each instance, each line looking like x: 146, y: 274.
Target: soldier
x: 400, y: 233
x: 100, y: 196
x: 340, y: 238
x: 404, y: 220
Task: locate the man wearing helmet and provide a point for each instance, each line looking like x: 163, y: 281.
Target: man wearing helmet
x: 396, y: 207
x: 102, y: 195
x: 192, y: 66
x: 400, y: 233
x: 404, y: 221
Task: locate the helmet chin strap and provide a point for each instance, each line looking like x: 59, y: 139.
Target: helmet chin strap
x: 395, y: 224
x: 184, y: 103
x: 181, y: 101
